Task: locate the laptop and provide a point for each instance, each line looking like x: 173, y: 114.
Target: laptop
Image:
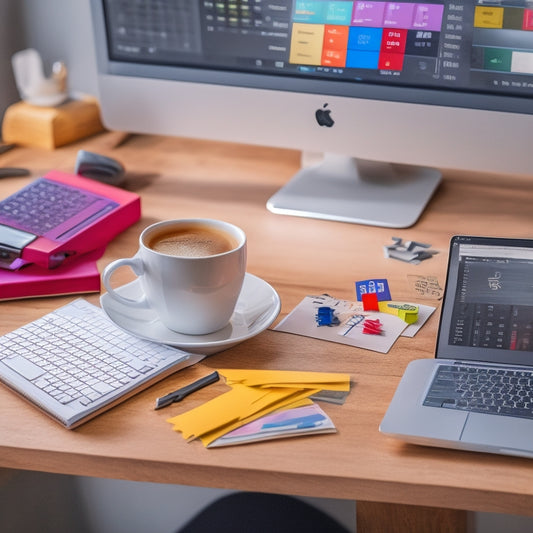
x: 476, y: 394
x: 60, y: 216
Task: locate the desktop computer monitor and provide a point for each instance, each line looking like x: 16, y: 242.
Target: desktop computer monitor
x: 389, y: 91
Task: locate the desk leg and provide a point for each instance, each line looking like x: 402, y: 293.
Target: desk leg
x: 373, y: 517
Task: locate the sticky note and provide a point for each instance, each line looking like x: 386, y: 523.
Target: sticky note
x: 380, y: 287
x: 370, y: 302
x: 286, y: 378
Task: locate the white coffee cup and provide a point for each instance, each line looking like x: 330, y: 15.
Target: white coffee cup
x: 191, y: 272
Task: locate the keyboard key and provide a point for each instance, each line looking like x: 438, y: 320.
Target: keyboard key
x: 24, y: 367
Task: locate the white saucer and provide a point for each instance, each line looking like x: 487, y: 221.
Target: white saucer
x: 258, y: 306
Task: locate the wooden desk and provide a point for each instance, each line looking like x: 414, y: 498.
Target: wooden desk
x: 182, y: 178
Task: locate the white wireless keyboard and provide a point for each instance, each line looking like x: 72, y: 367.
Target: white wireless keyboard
x: 74, y: 362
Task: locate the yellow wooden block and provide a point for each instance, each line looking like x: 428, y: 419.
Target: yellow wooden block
x: 51, y: 127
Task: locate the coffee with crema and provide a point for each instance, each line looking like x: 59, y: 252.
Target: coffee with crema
x: 190, y: 272
x: 194, y: 240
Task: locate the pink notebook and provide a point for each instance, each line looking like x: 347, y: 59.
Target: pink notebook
x: 78, y: 276
x: 60, y: 216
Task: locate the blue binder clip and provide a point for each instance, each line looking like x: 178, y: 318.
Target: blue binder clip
x: 325, y: 316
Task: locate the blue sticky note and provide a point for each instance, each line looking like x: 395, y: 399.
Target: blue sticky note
x: 377, y: 286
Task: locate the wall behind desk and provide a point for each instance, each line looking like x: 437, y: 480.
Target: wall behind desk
x: 58, y: 30
x: 12, y: 38
x: 62, y: 31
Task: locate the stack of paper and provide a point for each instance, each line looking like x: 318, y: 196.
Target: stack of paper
x: 286, y: 423
x: 255, y: 394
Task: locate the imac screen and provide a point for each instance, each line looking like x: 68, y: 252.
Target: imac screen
x: 469, y: 60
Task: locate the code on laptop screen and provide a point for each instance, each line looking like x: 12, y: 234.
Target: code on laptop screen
x: 493, y: 304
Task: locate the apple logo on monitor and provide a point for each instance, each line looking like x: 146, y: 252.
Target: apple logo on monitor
x: 323, y: 116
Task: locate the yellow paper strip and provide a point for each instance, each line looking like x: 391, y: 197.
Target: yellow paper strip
x: 217, y: 412
x: 232, y: 407
x: 287, y: 378
x: 274, y: 397
x: 320, y: 386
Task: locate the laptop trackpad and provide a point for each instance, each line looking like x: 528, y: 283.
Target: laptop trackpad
x: 499, y: 431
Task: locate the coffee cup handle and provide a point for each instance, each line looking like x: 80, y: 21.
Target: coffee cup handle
x: 135, y: 263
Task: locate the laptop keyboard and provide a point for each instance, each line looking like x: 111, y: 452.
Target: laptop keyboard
x: 45, y: 205
x: 481, y: 389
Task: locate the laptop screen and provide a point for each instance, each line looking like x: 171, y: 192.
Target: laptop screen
x: 487, y: 313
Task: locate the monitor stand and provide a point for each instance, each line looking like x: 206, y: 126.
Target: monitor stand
x: 346, y: 189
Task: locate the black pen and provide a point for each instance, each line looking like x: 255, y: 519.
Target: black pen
x: 13, y: 172
x: 6, y: 147
x: 178, y: 395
